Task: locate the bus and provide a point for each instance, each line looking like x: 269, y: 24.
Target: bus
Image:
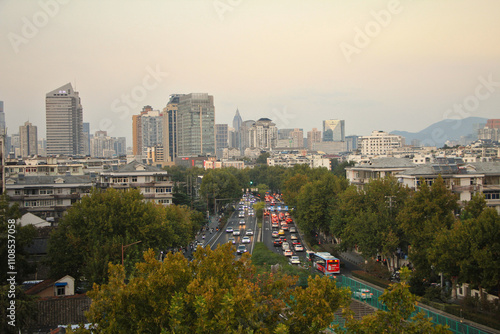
x: 325, y: 262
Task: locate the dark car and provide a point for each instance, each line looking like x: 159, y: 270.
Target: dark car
x: 277, y: 242
x: 241, y: 249
x: 283, y: 238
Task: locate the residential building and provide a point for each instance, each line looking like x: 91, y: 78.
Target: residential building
x: 351, y: 143
x: 313, y: 136
x: 196, y: 125
x: 379, y: 143
x: 64, y: 121
x: 153, y: 183
x: 491, y: 131
x: 28, y: 139
x: 245, y: 134
x: 363, y: 172
x: 292, y: 158
x: 3, y: 127
x: 221, y: 139
x: 65, y: 286
x: 170, y: 128
x: 334, y: 130
x: 86, y: 139
x: 329, y: 147
x: 147, y: 130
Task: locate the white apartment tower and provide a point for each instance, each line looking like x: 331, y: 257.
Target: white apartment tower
x: 379, y: 143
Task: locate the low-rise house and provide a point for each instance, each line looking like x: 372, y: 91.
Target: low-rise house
x: 65, y: 286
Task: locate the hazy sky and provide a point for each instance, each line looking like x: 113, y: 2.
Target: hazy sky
x: 379, y: 65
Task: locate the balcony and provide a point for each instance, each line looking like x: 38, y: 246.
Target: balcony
x: 467, y: 188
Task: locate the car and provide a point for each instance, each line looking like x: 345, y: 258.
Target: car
x: 293, y: 237
x: 292, y: 229
x: 299, y: 248
x: 245, y: 240
x: 229, y: 230
x: 274, y: 225
x: 241, y: 214
x: 295, y: 242
x: 231, y: 240
x: 249, y: 232
x: 294, y: 260
x: 241, y: 249
x: 285, y: 245
x: 288, y: 252
x: 284, y: 227
x: 283, y: 238
x: 281, y: 232
x: 236, y: 232
x: 363, y: 294
x: 242, y: 222
x: 277, y: 242
x: 275, y: 234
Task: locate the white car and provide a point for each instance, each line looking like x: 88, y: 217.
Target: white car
x: 245, y: 240
x: 363, y: 294
x: 236, y: 232
x: 231, y: 240
x: 294, y: 260
x: 249, y: 232
x: 229, y: 230
x: 293, y: 236
x: 299, y: 248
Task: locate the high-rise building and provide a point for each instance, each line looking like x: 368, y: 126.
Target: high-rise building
x: 333, y: 130
x: 86, y: 138
x: 28, y: 140
x: 3, y: 129
x: 237, y: 121
x: 170, y: 128
x: 313, y: 136
x: 196, y: 125
x: 263, y: 134
x: 297, y: 136
x: 351, y: 143
x: 64, y: 121
x: 147, y: 130
x: 245, y: 128
x: 221, y: 139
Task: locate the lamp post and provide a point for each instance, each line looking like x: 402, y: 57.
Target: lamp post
x: 125, y: 246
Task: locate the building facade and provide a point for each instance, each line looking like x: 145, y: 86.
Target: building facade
x: 170, y: 128
x: 221, y: 139
x: 379, y: 143
x: 196, y: 125
x: 28, y: 139
x: 263, y: 134
x: 313, y: 136
x: 64, y: 121
x: 334, y: 130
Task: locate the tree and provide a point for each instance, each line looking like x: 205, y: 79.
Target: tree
x: 338, y: 168
x: 214, y: 293
x: 94, y: 229
x: 262, y: 159
x: 400, y: 305
x: 428, y: 210
x: 219, y: 183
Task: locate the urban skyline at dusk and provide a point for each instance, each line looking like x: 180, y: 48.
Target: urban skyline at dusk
x: 385, y: 65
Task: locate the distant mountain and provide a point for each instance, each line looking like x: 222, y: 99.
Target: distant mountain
x: 449, y: 129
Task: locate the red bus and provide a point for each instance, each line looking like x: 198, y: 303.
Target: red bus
x: 325, y: 262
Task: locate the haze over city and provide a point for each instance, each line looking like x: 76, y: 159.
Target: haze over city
x: 379, y: 65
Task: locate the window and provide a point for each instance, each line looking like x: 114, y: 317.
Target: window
x: 60, y: 291
x: 134, y: 178
x: 17, y: 192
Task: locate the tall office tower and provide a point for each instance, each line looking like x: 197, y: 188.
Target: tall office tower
x: 28, y: 140
x: 221, y: 139
x: 245, y: 135
x: 120, y: 146
x: 170, y: 128
x: 64, y: 121
x: 333, y: 130
x: 3, y: 129
x: 313, y: 136
x: 237, y: 121
x: 15, y: 144
x: 196, y: 125
x: 263, y: 134
x: 297, y: 137
x: 147, y: 130
x: 86, y: 138
x: 351, y: 143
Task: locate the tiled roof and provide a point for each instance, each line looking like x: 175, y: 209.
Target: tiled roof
x: 387, y: 163
x: 68, y: 179
x: 131, y: 167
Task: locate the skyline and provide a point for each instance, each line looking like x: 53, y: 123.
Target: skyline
x: 386, y: 65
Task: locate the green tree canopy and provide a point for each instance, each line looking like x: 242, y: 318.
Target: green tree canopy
x: 94, y: 229
x: 218, y: 184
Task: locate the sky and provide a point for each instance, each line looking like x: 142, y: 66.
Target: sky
x: 379, y: 65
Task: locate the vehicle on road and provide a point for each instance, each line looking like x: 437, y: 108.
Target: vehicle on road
x: 288, y: 252
x: 277, y: 242
x: 299, y: 248
x: 249, y: 232
x: 241, y: 214
x: 242, y: 222
x: 285, y: 245
x: 236, y: 232
x: 241, y: 249
x: 281, y: 232
x: 325, y: 262
x: 229, y: 230
x: 283, y: 238
x: 274, y: 225
x: 245, y: 240
x: 363, y: 294
x: 284, y: 227
x: 294, y: 260
x: 275, y: 234
x: 293, y: 237
x: 231, y: 240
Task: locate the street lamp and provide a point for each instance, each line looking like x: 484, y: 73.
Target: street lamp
x: 123, y: 247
